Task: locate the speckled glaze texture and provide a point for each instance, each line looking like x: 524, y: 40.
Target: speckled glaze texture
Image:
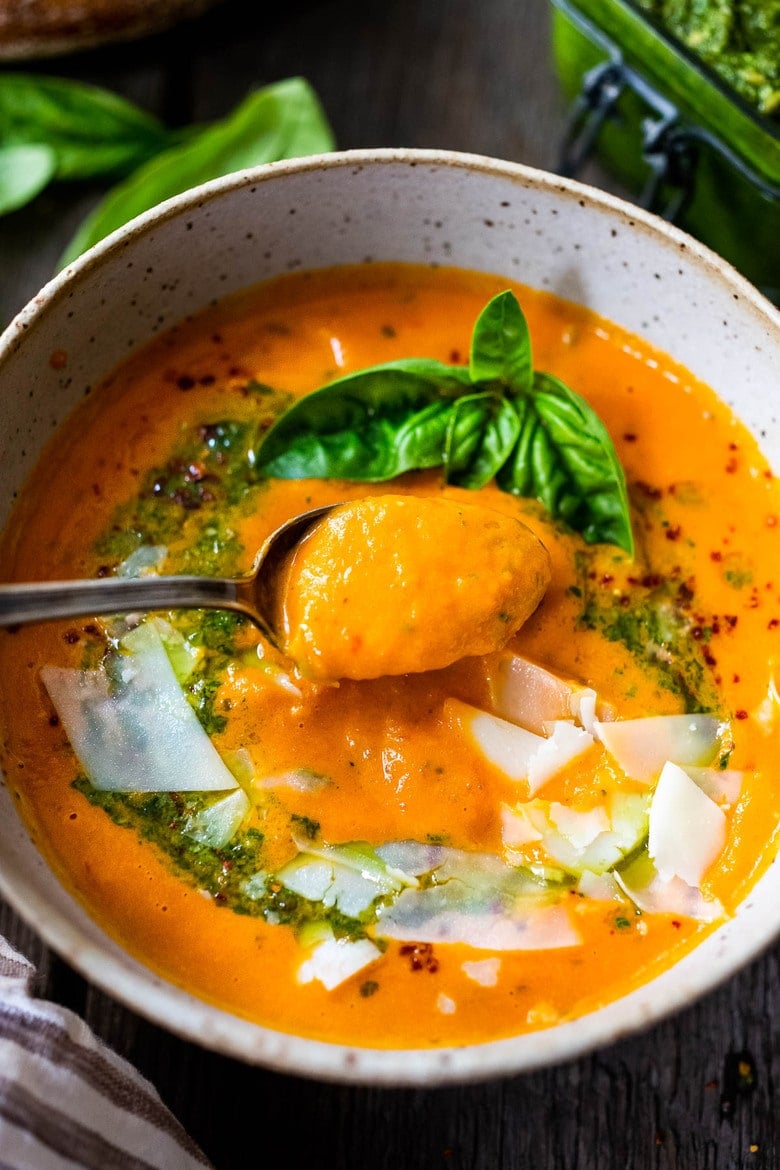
x: 438, y: 208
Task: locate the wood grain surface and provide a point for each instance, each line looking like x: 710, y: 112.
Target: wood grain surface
x: 700, y: 1091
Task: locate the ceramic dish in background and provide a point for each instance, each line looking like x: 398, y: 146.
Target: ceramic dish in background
x: 355, y: 207
x: 49, y: 28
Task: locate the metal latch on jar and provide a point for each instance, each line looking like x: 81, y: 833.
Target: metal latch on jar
x: 669, y: 146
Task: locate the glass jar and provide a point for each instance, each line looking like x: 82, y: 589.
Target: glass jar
x: 679, y: 137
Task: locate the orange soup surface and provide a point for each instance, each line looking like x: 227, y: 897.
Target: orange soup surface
x: 372, y: 851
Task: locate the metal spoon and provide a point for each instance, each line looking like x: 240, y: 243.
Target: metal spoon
x: 251, y: 595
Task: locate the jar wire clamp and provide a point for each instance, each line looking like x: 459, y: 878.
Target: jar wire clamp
x: 669, y: 146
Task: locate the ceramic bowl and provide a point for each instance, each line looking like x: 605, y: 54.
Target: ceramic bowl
x: 442, y: 209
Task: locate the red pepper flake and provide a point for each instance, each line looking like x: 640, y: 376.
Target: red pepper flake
x: 185, y: 382
x: 607, y: 579
x: 735, y: 678
x: 733, y: 446
x: 697, y: 633
x: 651, y: 580
x: 773, y: 623
x: 58, y: 359
x: 716, y: 555
x: 710, y: 659
x: 771, y: 521
x: 195, y: 472
x: 731, y: 466
x: 673, y: 532
x: 421, y: 957
x: 741, y: 714
x: 686, y: 591
x: 455, y: 357
x: 71, y: 637
x: 630, y: 437
x: 676, y: 923
x: 652, y: 493
x: 730, y: 619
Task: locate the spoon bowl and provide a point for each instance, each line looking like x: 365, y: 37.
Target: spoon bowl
x: 251, y: 595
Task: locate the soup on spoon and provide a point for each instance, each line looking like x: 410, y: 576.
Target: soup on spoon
x: 400, y: 584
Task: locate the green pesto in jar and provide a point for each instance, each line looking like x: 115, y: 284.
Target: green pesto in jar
x: 738, y: 39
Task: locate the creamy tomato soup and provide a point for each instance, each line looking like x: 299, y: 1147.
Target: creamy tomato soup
x: 430, y: 856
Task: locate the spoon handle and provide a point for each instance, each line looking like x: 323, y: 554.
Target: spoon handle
x: 47, y: 601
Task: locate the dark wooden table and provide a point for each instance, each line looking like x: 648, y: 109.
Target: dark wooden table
x: 473, y: 75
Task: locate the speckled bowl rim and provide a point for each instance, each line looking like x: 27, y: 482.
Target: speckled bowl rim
x: 197, y: 1021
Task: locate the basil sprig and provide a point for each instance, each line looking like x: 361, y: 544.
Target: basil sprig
x: 53, y: 129
x: 497, y: 419
x: 283, y: 120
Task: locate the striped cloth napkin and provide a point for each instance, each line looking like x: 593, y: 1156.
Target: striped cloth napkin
x: 67, y: 1102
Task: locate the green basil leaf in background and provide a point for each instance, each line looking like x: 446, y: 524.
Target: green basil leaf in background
x: 368, y: 427
x: 24, y: 172
x: 501, y: 345
x: 482, y: 432
x: 284, y: 120
x: 565, y: 458
x: 92, y: 131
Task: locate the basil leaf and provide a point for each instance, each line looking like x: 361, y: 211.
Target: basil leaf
x: 92, y: 131
x: 501, y: 345
x: 565, y: 458
x: 284, y: 120
x: 482, y: 431
x: 368, y: 427
x: 24, y: 172
x: 498, y: 419
x: 465, y: 429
